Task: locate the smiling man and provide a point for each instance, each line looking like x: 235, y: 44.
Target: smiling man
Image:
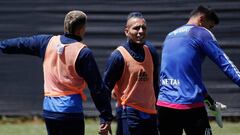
x: 132, y: 73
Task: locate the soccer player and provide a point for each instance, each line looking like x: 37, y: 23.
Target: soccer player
x: 132, y: 73
x: 68, y: 65
x: 182, y: 92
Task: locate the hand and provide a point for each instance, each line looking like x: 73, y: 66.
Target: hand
x: 113, y: 95
x: 213, y: 105
x: 209, y: 101
x: 105, y: 128
x: 215, y: 109
x: 217, y: 113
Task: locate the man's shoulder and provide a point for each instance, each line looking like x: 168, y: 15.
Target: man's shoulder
x: 202, y: 33
x: 152, y: 48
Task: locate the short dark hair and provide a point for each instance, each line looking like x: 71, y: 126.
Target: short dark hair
x: 131, y: 15
x: 135, y: 15
x: 209, y: 13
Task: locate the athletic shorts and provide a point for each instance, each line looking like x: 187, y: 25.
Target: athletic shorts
x: 192, y: 121
x: 134, y: 122
x: 64, y: 127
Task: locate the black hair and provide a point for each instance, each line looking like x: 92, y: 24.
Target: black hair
x: 135, y: 15
x: 209, y: 13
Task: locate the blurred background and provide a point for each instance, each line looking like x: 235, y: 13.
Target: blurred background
x: 21, y: 77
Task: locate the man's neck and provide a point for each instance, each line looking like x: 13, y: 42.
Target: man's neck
x: 195, y: 20
x: 78, y: 38
x: 135, y: 45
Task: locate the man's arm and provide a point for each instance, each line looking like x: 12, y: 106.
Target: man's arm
x: 218, y: 56
x: 87, y: 68
x: 113, y: 70
x: 210, y: 47
x: 34, y: 45
x: 156, y: 64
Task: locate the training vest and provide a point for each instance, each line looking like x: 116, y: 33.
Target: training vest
x: 135, y: 88
x: 60, y: 76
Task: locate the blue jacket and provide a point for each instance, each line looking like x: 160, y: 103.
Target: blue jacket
x: 184, y: 50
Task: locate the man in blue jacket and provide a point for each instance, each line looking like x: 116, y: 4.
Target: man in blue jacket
x: 182, y: 92
x: 67, y: 64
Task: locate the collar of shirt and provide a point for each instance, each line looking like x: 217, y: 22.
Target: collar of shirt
x: 70, y: 38
x: 135, y: 50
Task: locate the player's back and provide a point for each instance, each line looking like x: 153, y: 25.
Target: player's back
x: 182, y: 57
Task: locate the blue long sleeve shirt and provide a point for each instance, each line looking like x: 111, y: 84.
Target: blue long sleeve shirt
x: 65, y: 107
x: 115, y: 64
x: 183, y: 53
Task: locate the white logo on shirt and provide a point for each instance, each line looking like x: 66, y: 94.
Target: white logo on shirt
x: 174, y: 82
x: 60, y: 48
x: 232, y: 65
x: 184, y: 29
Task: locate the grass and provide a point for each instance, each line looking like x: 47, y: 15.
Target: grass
x: 37, y: 127
x: 229, y: 128
x: 91, y: 127
x: 16, y: 126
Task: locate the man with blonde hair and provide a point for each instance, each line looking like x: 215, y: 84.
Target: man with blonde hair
x: 68, y: 65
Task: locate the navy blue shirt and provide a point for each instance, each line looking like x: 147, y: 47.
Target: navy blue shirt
x: 86, y: 67
x: 115, y: 64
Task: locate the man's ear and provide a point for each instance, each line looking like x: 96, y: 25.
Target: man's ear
x: 77, y: 32
x: 201, y: 20
x: 80, y: 31
x: 126, y: 31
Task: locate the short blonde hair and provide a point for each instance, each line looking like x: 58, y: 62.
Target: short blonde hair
x: 73, y: 20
